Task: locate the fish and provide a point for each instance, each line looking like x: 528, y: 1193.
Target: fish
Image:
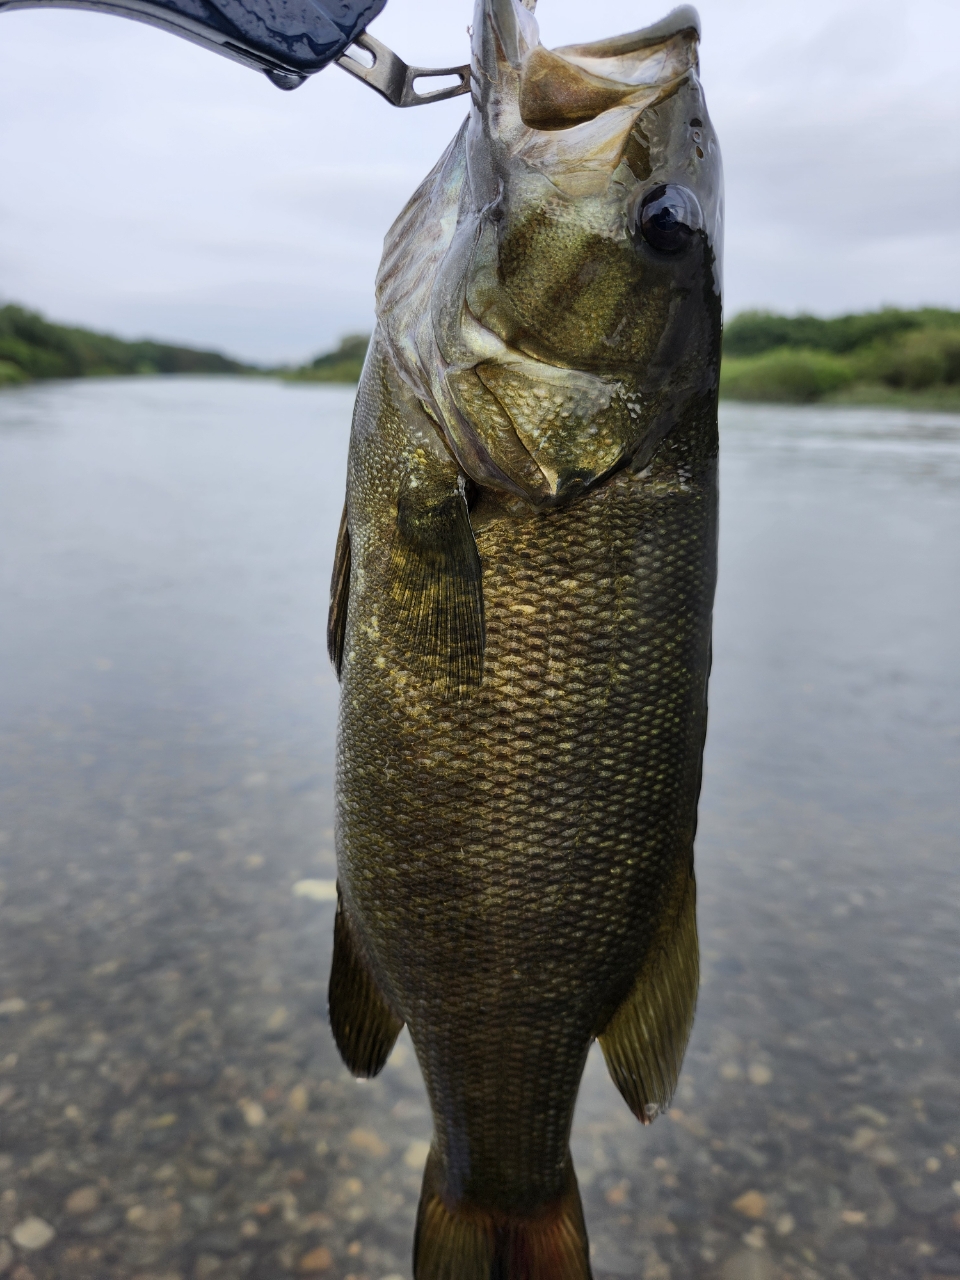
x: 520, y: 620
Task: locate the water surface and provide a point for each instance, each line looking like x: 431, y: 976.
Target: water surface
x: 171, y: 1104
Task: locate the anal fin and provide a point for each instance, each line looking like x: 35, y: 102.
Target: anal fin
x: 645, y: 1040
x: 468, y: 1242
x: 363, y: 1024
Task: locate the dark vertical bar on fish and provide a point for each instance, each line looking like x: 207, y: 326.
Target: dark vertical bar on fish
x: 521, y: 620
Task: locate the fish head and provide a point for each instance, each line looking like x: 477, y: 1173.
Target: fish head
x: 574, y: 291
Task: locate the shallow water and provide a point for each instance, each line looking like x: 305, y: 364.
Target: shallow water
x: 171, y: 1104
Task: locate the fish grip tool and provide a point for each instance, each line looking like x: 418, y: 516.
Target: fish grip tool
x: 288, y: 41
x: 394, y: 80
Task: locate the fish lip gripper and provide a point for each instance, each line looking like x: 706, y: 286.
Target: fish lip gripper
x: 288, y: 42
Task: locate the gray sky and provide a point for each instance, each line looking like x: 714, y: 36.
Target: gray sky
x: 150, y: 187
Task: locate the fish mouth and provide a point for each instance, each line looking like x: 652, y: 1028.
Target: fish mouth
x: 560, y: 88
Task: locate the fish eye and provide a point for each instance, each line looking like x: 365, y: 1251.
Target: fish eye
x: 668, y: 218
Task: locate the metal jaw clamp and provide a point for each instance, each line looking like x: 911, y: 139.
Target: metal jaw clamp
x: 288, y: 40
x: 392, y: 78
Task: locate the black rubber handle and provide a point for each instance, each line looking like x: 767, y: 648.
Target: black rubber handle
x: 288, y: 39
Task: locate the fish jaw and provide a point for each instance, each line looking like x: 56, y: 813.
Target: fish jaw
x: 549, y: 341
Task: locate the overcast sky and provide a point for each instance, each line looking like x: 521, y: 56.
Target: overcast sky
x: 149, y: 187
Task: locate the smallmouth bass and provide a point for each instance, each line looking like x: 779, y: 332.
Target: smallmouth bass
x: 520, y: 618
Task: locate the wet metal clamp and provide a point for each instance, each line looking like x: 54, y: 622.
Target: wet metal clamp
x: 289, y: 41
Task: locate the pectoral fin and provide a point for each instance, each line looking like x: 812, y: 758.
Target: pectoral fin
x: 645, y: 1040
x: 363, y: 1024
x: 436, y: 585
x: 339, y: 596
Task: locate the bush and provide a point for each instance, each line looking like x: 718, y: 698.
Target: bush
x: 785, y: 375
x: 753, y: 332
x: 924, y: 358
x: 11, y: 374
x: 343, y: 365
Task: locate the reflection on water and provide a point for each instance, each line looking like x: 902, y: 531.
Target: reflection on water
x: 170, y: 1101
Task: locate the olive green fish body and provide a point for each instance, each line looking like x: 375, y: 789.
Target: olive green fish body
x: 521, y: 622
x: 508, y: 857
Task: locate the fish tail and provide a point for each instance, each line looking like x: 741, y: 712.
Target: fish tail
x: 468, y: 1242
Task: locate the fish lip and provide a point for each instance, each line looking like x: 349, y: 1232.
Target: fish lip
x: 684, y: 18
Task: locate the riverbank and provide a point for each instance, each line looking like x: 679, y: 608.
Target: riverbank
x: 33, y: 348
x: 892, y: 357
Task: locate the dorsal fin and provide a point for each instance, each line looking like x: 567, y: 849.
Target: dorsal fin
x: 339, y: 596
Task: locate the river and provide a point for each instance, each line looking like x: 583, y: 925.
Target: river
x: 171, y: 1104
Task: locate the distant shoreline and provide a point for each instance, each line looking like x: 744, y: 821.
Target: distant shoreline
x: 889, y: 358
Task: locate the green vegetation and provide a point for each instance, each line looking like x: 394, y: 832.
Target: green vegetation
x: 342, y: 365
x: 891, y: 357
x: 878, y: 357
x: 31, y: 347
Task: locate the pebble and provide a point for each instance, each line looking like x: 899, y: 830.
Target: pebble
x: 253, y: 1112
x: 6, y: 1256
x: 863, y: 1138
x: 151, y: 1220
x: 32, y: 1233
x: 756, y: 1238
x: 11, y: 1006
x: 748, y: 1264
x: 415, y: 1156
x: 299, y: 1098
x: 759, y: 1073
x: 100, y: 1223
x: 162, y: 1122
x: 317, y: 1260
x: 202, y: 1179
x: 752, y: 1204
x: 83, y: 1200
x: 881, y: 1154
x: 316, y: 890
x: 785, y: 1224
x: 368, y: 1142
